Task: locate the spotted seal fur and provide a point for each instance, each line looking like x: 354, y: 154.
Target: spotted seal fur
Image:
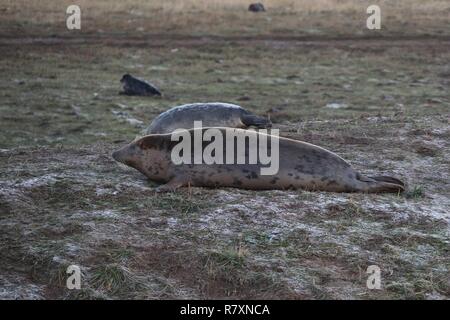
x: 301, y: 166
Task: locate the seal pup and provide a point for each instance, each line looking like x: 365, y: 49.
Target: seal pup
x: 301, y: 166
x: 256, y: 7
x: 212, y: 114
x: 135, y: 87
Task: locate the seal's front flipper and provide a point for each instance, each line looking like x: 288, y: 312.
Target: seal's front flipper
x: 170, y: 186
x: 259, y: 122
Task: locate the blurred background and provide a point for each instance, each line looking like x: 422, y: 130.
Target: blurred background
x: 227, y: 17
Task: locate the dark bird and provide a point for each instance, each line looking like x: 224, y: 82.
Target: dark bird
x: 135, y: 87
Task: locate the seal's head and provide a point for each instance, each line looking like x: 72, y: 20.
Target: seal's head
x: 131, y: 155
x: 126, y: 78
x: 148, y: 154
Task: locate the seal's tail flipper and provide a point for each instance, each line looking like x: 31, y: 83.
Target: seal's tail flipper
x: 388, y: 179
x: 381, y: 184
x: 259, y: 122
x: 156, y: 92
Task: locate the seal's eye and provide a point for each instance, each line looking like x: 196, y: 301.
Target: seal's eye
x: 139, y: 148
x: 146, y: 143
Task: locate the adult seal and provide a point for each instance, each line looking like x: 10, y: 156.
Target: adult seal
x: 301, y: 166
x: 212, y: 114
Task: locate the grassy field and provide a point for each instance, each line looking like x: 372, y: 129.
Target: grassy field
x: 305, y: 18
x: 63, y: 200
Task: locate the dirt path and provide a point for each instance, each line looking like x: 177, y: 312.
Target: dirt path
x: 158, y: 40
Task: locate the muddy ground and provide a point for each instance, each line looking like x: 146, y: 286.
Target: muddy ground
x: 381, y: 103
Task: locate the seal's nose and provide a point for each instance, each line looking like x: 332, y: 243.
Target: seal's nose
x: 118, y: 155
x: 115, y: 155
x: 126, y: 156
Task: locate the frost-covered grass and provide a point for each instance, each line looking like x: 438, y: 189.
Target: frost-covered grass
x: 63, y: 200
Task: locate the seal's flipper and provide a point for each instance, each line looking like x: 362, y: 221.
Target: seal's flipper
x: 170, y: 186
x: 380, y: 184
x: 388, y: 179
x: 152, y: 91
x: 259, y: 122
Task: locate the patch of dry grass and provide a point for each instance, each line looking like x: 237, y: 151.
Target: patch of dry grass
x: 230, y: 17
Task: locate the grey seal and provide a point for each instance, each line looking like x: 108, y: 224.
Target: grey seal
x: 212, y: 114
x: 301, y: 166
x: 256, y: 7
x: 136, y: 87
